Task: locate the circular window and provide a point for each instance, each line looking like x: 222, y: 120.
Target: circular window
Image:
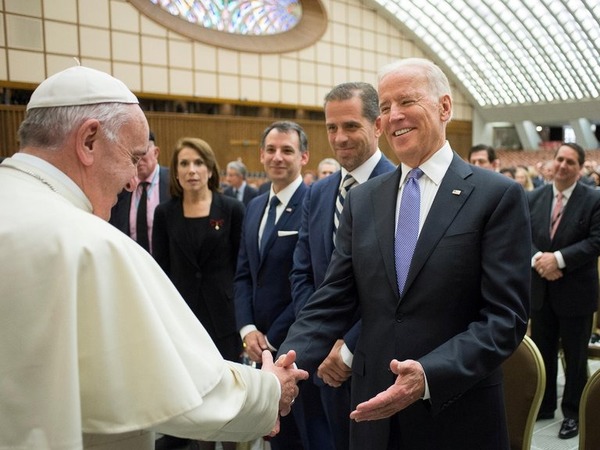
x: 266, y: 26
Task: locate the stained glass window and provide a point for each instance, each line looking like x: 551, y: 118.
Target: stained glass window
x: 244, y: 17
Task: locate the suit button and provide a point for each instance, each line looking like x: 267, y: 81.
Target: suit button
x: 399, y: 318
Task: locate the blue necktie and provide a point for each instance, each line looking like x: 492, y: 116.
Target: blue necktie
x: 270, y: 224
x: 407, y: 232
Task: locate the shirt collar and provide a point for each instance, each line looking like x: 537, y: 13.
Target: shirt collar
x: 566, y: 193
x: 287, y: 192
x: 363, y: 172
x: 435, y: 167
x: 153, y: 178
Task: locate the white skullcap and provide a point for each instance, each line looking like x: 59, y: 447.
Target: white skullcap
x: 80, y: 85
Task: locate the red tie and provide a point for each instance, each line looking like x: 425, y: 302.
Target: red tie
x: 556, y: 214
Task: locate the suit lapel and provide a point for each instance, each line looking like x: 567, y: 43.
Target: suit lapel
x: 288, y: 212
x: 327, y: 207
x: 383, y: 201
x: 569, y: 216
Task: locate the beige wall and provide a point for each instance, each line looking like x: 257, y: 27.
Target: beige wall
x: 41, y: 37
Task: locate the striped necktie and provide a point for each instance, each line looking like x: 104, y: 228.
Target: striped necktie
x: 348, y: 183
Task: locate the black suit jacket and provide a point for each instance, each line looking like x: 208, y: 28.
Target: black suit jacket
x: 249, y: 193
x: 463, y: 312
x: 578, y: 239
x: 204, y: 277
x: 119, y: 215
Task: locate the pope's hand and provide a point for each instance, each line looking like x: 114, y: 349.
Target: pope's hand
x: 288, y: 376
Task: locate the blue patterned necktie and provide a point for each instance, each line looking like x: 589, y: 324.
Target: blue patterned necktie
x: 407, y: 231
x: 270, y: 224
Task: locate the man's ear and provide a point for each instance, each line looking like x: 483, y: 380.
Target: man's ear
x: 87, y: 141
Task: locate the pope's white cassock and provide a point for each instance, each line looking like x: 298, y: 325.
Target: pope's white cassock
x: 97, y: 348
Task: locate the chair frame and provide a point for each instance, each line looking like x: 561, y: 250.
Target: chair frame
x: 529, y: 347
x: 592, y: 387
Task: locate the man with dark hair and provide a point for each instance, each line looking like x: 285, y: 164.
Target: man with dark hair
x: 565, y: 223
x: 352, y: 125
x: 262, y: 294
x: 484, y: 156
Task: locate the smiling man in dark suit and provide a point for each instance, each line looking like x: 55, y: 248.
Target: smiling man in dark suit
x: 443, y: 297
x: 352, y: 124
x: 262, y: 293
x: 565, y: 221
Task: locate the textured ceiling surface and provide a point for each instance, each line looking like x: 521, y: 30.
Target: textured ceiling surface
x: 508, y: 55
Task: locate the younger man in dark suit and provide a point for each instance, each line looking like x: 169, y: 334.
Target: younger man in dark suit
x: 263, y: 300
x: 351, y: 120
x: 129, y: 215
x: 565, y: 223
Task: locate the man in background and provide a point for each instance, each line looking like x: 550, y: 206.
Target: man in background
x: 565, y: 223
x: 482, y: 155
x: 352, y: 125
x: 326, y: 167
x: 133, y: 213
x: 235, y: 176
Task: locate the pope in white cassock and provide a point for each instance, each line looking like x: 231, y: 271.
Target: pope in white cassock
x: 97, y: 348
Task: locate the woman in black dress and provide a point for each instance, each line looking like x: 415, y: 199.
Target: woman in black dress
x: 196, y: 238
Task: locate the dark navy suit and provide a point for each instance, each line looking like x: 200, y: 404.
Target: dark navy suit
x: 311, y: 258
x: 463, y: 311
x: 263, y: 298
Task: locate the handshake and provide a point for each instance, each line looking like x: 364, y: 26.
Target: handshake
x: 288, y: 376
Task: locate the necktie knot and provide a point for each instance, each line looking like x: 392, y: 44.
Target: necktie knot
x: 274, y: 202
x: 414, y: 174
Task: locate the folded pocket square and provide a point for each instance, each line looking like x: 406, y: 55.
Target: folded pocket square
x: 282, y: 233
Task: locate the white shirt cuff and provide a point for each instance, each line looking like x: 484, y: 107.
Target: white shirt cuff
x: 346, y: 355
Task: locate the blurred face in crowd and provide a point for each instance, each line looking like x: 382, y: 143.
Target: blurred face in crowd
x: 325, y: 170
x: 282, y: 158
x: 148, y: 163
x: 481, y: 159
x: 234, y: 178
x: 351, y: 136
x: 412, y: 118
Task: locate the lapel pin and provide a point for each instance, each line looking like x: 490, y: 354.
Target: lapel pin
x: 288, y: 209
x: 456, y: 192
